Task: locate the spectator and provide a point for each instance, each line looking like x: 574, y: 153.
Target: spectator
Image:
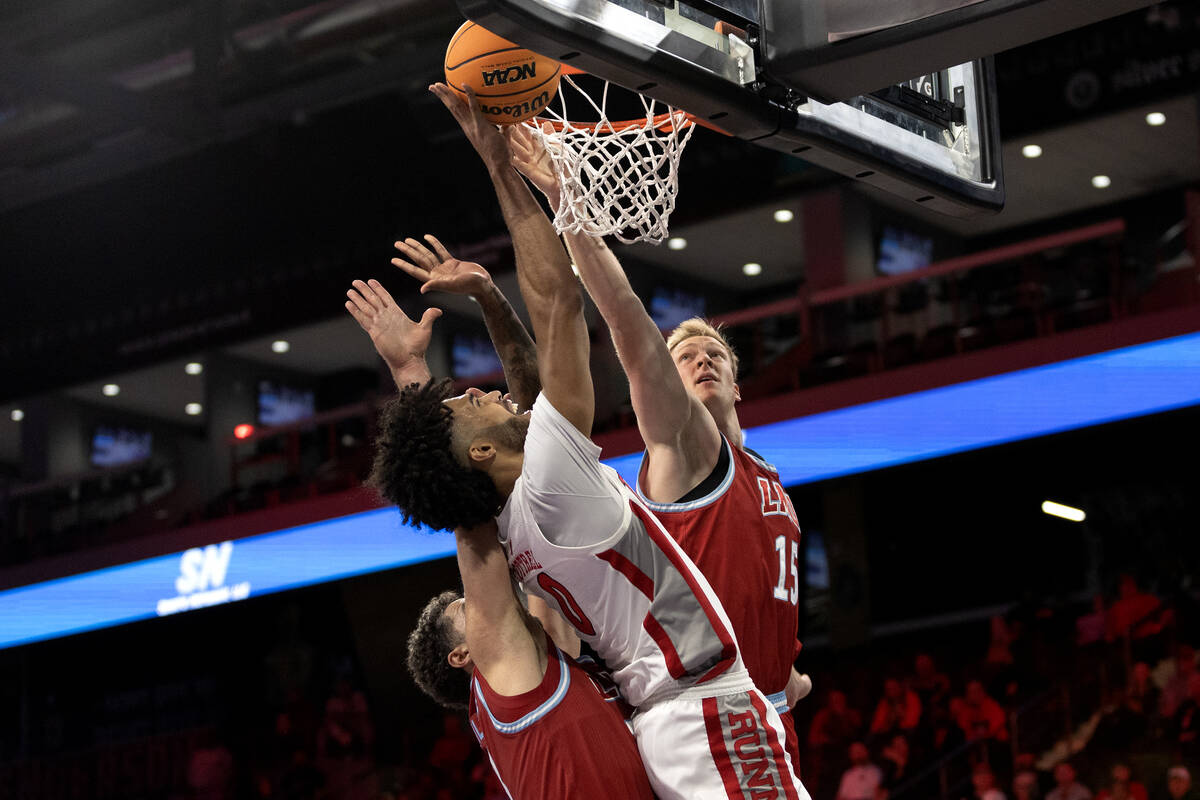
x: 1123, y: 787
x: 981, y: 717
x: 1092, y: 628
x: 1142, y: 696
x: 1179, y: 784
x: 210, y: 769
x: 1175, y: 684
x: 1025, y: 786
x: 301, y: 780
x: 1185, y: 725
x: 983, y: 783
x: 932, y: 687
x: 899, y: 710
x: 346, y: 730
x: 1066, y: 786
x: 896, y: 763
x: 1133, y: 612
x: 833, y: 729
x: 453, y: 747
x: 862, y: 780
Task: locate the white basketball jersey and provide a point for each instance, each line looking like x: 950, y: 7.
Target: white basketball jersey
x: 577, y: 536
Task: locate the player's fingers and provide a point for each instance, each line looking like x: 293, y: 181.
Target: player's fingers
x: 385, y: 297
x: 442, y: 253
x: 411, y: 269
x: 367, y: 294
x: 429, y: 316
x: 419, y: 253
x: 360, y: 305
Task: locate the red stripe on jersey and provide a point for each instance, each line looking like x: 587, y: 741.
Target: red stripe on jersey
x: 668, y: 548
x: 670, y: 654
x: 720, y: 753
x: 643, y: 582
x: 778, y: 755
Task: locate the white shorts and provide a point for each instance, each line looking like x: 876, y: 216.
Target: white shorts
x: 705, y: 746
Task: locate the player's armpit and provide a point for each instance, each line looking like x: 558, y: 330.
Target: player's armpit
x: 560, y: 630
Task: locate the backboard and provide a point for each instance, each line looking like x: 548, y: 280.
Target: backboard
x: 807, y: 76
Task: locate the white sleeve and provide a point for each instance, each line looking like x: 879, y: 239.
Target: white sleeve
x: 572, y: 498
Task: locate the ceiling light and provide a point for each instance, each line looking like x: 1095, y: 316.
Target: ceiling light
x: 17, y: 415
x: 784, y: 215
x: 193, y: 368
x: 676, y: 243
x: 243, y: 431
x: 1031, y: 150
x: 280, y: 346
x: 752, y: 268
x: 111, y: 390
x: 1066, y: 512
x: 192, y: 409
x: 1101, y: 181
x: 1156, y: 118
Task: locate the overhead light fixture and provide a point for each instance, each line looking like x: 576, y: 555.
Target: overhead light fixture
x: 243, y: 431
x: 784, y: 215
x: 280, y: 346
x: 193, y: 368
x: 193, y: 409
x: 1156, y: 118
x: 1031, y: 151
x: 753, y: 268
x: 1065, y: 512
x: 1101, y: 181
x: 110, y: 390
x: 17, y: 415
x: 676, y: 243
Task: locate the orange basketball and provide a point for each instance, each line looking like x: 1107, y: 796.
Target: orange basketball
x: 511, y: 83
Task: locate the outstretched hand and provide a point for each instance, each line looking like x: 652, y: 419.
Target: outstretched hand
x: 530, y: 158
x: 439, y: 271
x: 397, y: 338
x: 484, y: 136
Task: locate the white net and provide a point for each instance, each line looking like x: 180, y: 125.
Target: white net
x: 616, y: 179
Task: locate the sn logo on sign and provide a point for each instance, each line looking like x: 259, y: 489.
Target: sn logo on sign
x: 518, y: 72
x: 203, y: 569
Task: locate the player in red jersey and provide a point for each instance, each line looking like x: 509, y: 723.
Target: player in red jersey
x: 547, y: 729
x: 724, y: 505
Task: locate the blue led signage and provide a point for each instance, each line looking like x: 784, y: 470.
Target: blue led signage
x: 1106, y: 387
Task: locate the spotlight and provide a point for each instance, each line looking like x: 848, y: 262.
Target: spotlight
x: 1066, y: 512
x: 1031, y: 151
x: 1156, y: 118
x: 1101, y: 181
x: 784, y: 215
x: 676, y: 243
x: 280, y: 346
x: 752, y: 269
x: 243, y: 431
x: 193, y: 409
x: 17, y: 415
x: 193, y: 368
x: 110, y: 390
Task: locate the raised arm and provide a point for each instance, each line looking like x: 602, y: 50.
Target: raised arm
x: 675, y: 426
x: 505, y: 642
x: 399, y: 340
x: 438, y: 270
x: 552, y: 294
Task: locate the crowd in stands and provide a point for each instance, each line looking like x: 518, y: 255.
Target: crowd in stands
x: 933, y: 735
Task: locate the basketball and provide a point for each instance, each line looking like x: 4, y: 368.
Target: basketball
x: 511, y: 84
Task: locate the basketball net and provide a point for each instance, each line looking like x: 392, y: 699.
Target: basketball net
x: 617, y: 178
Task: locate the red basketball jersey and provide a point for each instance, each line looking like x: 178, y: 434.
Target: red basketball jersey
x: 745, y: 538
x: 562, y: 739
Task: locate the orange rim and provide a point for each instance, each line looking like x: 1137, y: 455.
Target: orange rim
x: 661, y: 122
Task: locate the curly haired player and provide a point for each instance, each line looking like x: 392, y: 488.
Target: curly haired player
x: 580, y: 539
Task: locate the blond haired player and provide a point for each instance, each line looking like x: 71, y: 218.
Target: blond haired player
x: 722, y: 502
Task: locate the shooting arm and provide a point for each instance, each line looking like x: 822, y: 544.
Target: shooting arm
x: 516, y: 349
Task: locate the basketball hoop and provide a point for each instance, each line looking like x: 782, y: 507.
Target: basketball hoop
x: 618, y: 178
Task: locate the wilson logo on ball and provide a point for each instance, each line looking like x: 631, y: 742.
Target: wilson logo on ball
x: 517, y: 111
x: 518, y: 72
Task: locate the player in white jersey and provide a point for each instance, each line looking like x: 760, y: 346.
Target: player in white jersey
x: 577, y: 536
